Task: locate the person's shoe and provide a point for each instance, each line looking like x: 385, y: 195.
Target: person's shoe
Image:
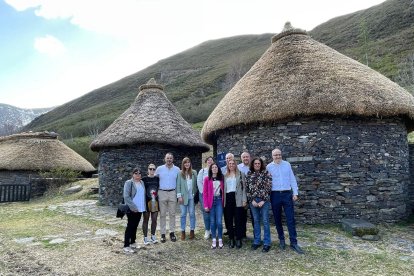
x: 172, y: 237
x: 183, y: 235
x: 266, y: 248
x: 146, y: 241
x: 282, y: 245
x: 297, y: 249
x: 163, y: 239
x: 192, y: 236
x: 134, y: 246
x: 207, y: 234
x: 221, y: 245
x: 255, y: 246
x: 214, y: 244
x: 238, y: 244
x: 128, y: 250
x: 231, y: 243
x: 226, y: 233
x: 154, y: 239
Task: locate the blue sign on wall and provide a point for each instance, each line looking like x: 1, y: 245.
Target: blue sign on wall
x: 221, y: 159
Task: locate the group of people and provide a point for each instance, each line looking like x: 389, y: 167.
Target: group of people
x: 229, y: 191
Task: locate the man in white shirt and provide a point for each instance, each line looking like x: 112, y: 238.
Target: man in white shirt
x: 167, y: 197
x: 284, y: 193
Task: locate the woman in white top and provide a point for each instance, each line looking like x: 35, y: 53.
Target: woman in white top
x: 203, y: 173
x: 234, y: 202
x: 134, y: 197
x: 186, y: 189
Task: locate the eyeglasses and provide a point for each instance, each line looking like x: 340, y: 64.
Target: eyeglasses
x: 151, y: 169
x: 277, y: 155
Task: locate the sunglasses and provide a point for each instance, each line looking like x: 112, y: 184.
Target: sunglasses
x: 151, y: 169
x: 137, y: 172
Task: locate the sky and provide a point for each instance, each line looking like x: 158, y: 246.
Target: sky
x: 53, y: 51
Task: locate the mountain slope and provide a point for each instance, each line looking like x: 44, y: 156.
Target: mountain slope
x: 12, y: 118
x: 196, y: 79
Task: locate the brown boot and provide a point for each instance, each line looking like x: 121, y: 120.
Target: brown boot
x: 183, y: 235
x: 192, y: 235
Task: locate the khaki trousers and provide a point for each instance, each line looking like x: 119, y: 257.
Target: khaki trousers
x: 168, y: 203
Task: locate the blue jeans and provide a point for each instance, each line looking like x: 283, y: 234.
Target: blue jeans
x: 285, y: 200
x: 206, y: 215
x: 188, y: 209
x: 261, y: 215
x: 216, y: 218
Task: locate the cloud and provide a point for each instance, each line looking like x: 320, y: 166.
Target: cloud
x: 49, y: 45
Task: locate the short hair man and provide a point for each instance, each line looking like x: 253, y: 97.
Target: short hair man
x: 244, y: 166
x: 284, y: 193
x: 229, y: 156
x: 167, y: 197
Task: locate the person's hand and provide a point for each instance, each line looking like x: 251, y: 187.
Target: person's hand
x: 254, y: 203
x: 261, y: 203
x: 206, y: 209
x: 180, y: 200
x: 244, y: 203
x: 295, y: 198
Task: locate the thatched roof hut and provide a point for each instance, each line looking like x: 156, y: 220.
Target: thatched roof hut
x: 298, y: 76
x: 151, y: 118
x: 143, y: 134
x: 342, y: 125
x: 39, y: 151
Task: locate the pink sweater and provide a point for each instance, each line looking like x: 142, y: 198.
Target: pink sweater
x: 208, y: 192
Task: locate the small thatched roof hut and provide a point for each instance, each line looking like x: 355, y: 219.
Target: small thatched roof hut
x: 342, y: 125
x: 39, y: 151
x: 23, y: 156
x: 143, y: 134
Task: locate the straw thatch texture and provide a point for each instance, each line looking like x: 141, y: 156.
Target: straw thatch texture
x: 298, y: 76
x: 39, y: 151
x: 152, y: 118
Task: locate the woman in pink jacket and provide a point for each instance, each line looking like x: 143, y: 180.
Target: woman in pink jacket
x: 213, y: 195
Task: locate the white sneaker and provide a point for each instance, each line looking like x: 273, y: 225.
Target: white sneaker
x: 154, y: 239
x: 146, y: 241
x: 134, y: 245
x: 128, y: 250
x: 207, y: 234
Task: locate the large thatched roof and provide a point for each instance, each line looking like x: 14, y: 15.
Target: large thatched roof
x: 298, y: 76
x: 39, y: 151
x: 152, y: 118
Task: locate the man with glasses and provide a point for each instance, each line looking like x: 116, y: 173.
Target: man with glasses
x: 167, y: 196
x: 284, y: 193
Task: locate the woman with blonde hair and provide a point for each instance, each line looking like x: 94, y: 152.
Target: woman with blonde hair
x: 186, y: 189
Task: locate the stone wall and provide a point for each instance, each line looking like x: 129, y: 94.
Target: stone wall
x: 23, y: 177
x: 411, y: 183
x: 345, y: 167
x: 116, y: 165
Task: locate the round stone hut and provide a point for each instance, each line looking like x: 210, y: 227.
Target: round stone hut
x: 143, y: 134
x: 24, y: 155
x: 342, y: 125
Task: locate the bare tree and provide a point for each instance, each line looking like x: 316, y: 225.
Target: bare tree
x: 237, y: 69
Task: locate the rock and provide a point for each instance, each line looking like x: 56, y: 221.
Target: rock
x: 73, y: 190
x: 371, y: 237
x: 102, y: 232
x: 359, y: 227
x: 57, y: 241
x: 24, y: 240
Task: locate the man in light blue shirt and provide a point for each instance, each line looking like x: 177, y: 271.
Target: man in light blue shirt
x: 167, y: 196
x: 284, y: 193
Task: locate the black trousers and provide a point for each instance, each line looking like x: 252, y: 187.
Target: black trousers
x: 131, y: 229
x: 154, y: 216
x: 233, y: 217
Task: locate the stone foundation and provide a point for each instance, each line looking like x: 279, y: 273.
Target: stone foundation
x: 345, y: 167
x: 116, y: 165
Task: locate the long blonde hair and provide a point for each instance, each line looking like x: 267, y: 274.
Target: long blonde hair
x: 228, y: 169
x: 184, y: 173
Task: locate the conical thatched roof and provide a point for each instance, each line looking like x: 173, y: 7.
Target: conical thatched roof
x: 298, y: 76
x: 39, y: 151
x: 152, y: 118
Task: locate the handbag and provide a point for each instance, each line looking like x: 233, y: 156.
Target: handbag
x: 123, y: 208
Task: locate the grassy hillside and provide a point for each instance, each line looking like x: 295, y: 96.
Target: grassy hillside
x: 196, y: 80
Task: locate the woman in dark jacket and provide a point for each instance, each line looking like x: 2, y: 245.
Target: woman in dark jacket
x: 152, y: 183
